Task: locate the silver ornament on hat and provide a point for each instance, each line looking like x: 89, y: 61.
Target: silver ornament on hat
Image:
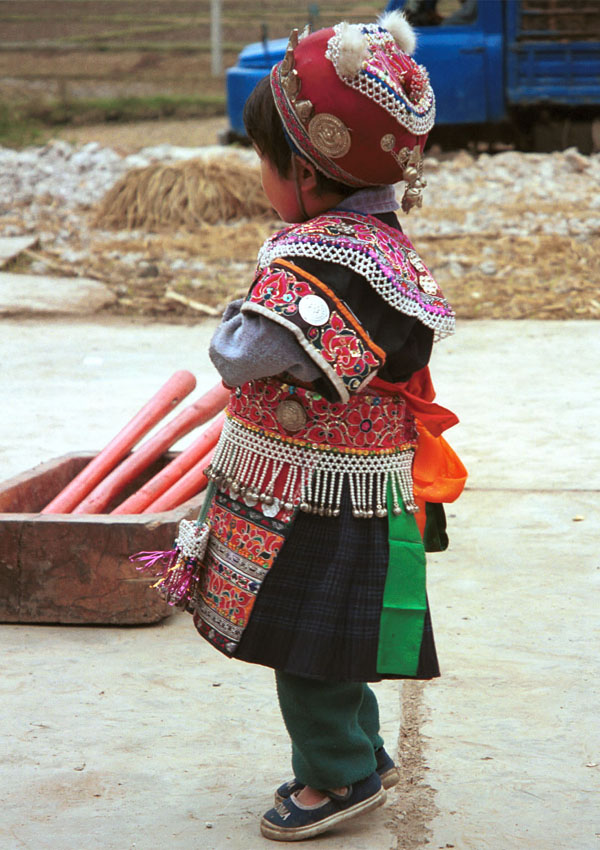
x: 329, y: 135
x: 291, y: 82
x: 413, y: 178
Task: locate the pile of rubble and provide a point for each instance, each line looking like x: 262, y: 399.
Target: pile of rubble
x: 508, y: 235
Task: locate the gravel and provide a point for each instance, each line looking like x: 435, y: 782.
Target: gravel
x: 482, y: 187
x: 82, y: 176
x: 49, y: 191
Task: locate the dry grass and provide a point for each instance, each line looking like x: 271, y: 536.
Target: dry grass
x: 186, y: 194
x: 537, y: 277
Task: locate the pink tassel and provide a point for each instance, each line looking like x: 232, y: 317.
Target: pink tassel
x: 177, y: 588
x: 176, y: 576
x: 149, y: 561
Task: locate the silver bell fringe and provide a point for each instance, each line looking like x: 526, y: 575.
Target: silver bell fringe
x: 256, y: 468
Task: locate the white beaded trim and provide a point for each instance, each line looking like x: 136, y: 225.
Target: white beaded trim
x: 248, y: 464
x: 192, y: 539
x: 357, y: 261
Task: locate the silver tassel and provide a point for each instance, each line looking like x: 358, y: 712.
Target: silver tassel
x: 254, y: 467
x: 395, y: 486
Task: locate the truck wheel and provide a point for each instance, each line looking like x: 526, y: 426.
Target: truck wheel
x: 565, y: 133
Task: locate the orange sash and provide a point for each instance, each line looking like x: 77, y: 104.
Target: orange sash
x: 438, y: 473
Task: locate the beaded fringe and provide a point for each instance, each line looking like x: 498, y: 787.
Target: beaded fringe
x: 256, y: 468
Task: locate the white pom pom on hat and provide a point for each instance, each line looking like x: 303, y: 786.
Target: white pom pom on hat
x: 353, y: 46
x: 398, y: 27
x: 349, y: 94
x: 353, y: 50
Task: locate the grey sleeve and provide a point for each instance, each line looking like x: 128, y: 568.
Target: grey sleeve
x: 246, y: 346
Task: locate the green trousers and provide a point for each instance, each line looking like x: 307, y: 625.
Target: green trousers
x: 334, y: 727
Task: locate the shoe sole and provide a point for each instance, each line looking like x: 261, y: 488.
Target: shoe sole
x: 301, y: 832
x: 388, y: 779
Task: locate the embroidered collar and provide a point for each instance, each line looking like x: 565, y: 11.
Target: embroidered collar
x: 381, y: 254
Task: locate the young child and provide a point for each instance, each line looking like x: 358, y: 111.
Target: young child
x: 307, y: 556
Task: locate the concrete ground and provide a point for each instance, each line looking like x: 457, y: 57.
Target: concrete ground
x: 147, y: 738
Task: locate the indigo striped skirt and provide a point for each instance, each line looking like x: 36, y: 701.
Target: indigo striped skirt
x: 317, y: 612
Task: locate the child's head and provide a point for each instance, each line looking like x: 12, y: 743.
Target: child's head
x: 350, y: 103
x: 266, y: 132
x: 283, y: 171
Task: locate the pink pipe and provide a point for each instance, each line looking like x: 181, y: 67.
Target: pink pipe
x: 178, y: 467
x: 169, y: 396
x: 196, y: 414
x: 192, y: 483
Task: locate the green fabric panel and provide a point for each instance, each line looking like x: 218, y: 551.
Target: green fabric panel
x: 403, y: 527
x: 404, y: 597
x: 400, y: 636
x: 405, y: 585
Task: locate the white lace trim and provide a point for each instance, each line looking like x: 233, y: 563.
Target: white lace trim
x: 253, y: 466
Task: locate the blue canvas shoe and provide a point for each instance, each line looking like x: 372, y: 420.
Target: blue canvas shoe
x: 288, y: 822
x: 386, y: 768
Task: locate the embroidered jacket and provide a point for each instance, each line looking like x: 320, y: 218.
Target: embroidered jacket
x: 294, y: 288
x: 343, y: 303
x: 364, y: 282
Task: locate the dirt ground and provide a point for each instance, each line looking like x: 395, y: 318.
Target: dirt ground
x: 66, y: 50
x: 129, y: 138
x: 414, y: 798
x: 101, y: 49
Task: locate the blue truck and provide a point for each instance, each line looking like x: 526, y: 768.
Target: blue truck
x: 525, y: 69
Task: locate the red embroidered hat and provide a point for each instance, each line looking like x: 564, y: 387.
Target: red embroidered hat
x: 355, y: 103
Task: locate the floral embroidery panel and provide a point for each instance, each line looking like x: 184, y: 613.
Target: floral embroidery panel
x: 340, y: 343
x: 242, y: 548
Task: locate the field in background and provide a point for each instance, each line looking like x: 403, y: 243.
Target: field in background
x: 81, y: 69
x: 76, y: 62
x: 82, y: 61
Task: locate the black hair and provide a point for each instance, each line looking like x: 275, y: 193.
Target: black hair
x: 265, y: 129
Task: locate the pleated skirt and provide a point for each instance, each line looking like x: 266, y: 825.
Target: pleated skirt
x: 317, y: 613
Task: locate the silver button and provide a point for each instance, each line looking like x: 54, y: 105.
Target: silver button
x: 273, y: 509
x: 314, y: 310
x: 291, y: 415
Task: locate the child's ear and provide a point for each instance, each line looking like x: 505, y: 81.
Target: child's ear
x: 307, y: 177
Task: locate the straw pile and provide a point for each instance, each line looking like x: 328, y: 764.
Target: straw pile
x: 183, y: 195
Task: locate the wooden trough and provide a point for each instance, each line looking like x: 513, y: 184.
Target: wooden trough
x: 75, y: 569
